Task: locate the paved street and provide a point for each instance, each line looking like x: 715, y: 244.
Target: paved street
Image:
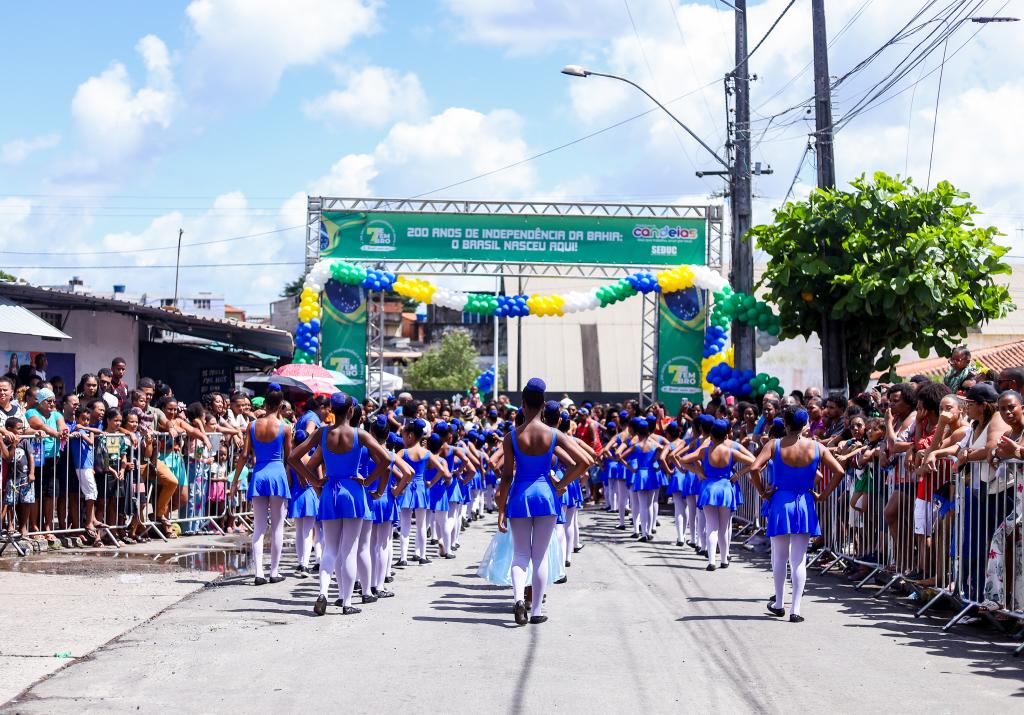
x: 639, y: 627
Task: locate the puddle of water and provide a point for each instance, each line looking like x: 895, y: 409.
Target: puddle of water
x: 226, y: 562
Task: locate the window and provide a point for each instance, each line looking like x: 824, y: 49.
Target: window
x: 166, y: 302
x: 201, y: 304
x: 54, y: 319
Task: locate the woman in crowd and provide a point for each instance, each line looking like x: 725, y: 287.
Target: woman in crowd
x: 792, y: 516
x: 269, y: 443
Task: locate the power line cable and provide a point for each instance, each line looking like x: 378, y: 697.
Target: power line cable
x: 148, y: 250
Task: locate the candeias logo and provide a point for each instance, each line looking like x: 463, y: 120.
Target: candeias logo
x: 651, y: 232
x: 378, y: 236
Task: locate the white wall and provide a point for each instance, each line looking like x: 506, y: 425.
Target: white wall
x: 96, y: 338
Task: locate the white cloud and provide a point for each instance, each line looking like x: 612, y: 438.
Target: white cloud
x: 16, y: 151
x: 244, y: 46
x: 117, y: 123
x: 449, y: 147
x: 373, y: 96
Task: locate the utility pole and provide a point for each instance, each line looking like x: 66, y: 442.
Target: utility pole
x: 177, y: 266
x: 833, y: 342
x: 742, y: 252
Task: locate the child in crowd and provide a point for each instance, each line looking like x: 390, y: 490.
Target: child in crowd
x: 110, y: 462
x: 82, y: 458
x: 867, y: 488
x: 19, y: 495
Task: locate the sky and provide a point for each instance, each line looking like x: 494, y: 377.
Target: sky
x: 126, y: 121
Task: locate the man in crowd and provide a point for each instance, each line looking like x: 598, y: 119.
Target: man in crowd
x: 118, y: 385
x: 1012, y: 378
x: 106, y: 379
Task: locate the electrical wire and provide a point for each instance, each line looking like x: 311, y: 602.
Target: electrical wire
x: 172, y: 246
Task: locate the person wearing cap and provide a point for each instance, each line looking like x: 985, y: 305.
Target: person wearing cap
x: 49, y: 485
x: 528, y: 501
x: 344, y: 501
x: 987, y: 502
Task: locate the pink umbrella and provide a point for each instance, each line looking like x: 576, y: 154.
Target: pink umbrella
x: 319, y: 385
x: 301, y: 371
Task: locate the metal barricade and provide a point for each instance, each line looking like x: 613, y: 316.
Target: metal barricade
x: 748, y: 513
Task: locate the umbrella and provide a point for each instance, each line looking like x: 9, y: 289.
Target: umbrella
x: 301, y: 372
x: 259, y: 384
x: 319, y: 385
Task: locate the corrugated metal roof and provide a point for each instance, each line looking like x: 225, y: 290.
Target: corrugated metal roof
x: 20, y: 321
x: 259, y: 338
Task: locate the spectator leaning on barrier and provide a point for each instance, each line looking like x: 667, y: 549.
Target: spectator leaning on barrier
x: 46, y: 418
x: 106, y: 380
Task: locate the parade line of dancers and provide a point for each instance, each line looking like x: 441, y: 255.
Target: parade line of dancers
x: 350, y: 480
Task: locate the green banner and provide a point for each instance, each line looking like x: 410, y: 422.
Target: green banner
x: 681, y: 318
x: 343, y: 337
x: 518, y: 239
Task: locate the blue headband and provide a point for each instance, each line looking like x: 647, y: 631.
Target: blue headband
x: 339, y: 400
x: 535, y: 385
x: 273, y: 387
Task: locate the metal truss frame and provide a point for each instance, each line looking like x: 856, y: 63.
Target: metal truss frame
x: 711, y: 214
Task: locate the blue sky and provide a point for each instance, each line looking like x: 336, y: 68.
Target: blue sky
x: 126, y: 120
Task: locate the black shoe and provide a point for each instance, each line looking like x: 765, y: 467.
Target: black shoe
x: 449, y: 556
x: 711, y: 567
x: 621, y: 527
x: 260, y: 581
x: 692, y: 544
x: 578, y: 548
x: 562, y: 580
x: 424, y: 560
x: 455, y: 547
x: 357, y: 587
x: 369, y: 599
x: 350, y: 610
x: 680, y: 543
x: 538, y: 619
x: 568, y: 564
x: 702, y: 552
x: 432, y: 542
x: 276, y: 579
x: 384, y: 593
x: 724, y: 566
x: 389, y: 579
x: 795, y: 619
x: 402, y: 563
x: 320, y: 607
x: 339, y: 603
x: 778, y: 612
x: 315, y: 568
x: 301, y: 572
x: 519, y: 610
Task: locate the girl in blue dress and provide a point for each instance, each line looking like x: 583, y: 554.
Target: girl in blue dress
x: 305, y: 501
x: 491, y: 439
x: 437, y: 496
x: 700, y: 435
x: 677, y: 487
x: 528, y: 499
x: 269, y: 441
x: 714, y: 463
x: 384, y: 505
x: 792, y: 516
x: 616, y: 476
x: 344, y: 502
x: 415, y: 499
x: 639, y: 458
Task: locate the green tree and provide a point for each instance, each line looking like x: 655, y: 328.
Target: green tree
x: 452, y: 365
x: 5, y: 276
x: 902, y: 267
x: 293, y: 288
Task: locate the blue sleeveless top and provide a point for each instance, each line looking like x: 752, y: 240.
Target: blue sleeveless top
x: 343, y: 497
x: 791, y: 508
x: 343, y: 465
x: 715, y: 489
x: 269, y: 478
x: 532, y: 494
x: 415, y: 495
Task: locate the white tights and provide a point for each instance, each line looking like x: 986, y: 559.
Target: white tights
x: 621, y: 500
x: 489, y: 497
x: 634, y: 508
x: 364, y: 557
x: 380, y: 554
x: 274, y: 509
x: 719, y: 522
x: 679, y: 507
x: 791, y: 549
x: 439, y: 522
x: 306, y: 540
x: 341, y: 547
x: 405, y: 526
x: 646, y: 501
x: 530, y: 539
x: 702, y: 525
x: 572, y: 531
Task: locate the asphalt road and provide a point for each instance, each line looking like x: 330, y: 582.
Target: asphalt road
x: 638, y: 628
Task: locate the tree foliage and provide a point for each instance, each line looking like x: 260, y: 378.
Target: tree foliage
x: 452, y: 365
x: 895, y: 265
x: 293, y: 288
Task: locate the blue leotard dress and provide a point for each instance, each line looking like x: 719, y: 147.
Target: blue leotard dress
x: 415, y: 495
x: 716, y: 489
x: 615, y: 469
x: 490, y: 476
x: 532, y: 493
x: 268, y: 476
x: 647, y: 478
x: 691, y: 481
x: 791, y: 508
x: 458, y: 493
x: 437, y: 495
x: 385, y: 509
x: 343, y: 497
x: 304, y: 500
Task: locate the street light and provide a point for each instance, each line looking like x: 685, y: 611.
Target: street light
x: 580, y: 71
